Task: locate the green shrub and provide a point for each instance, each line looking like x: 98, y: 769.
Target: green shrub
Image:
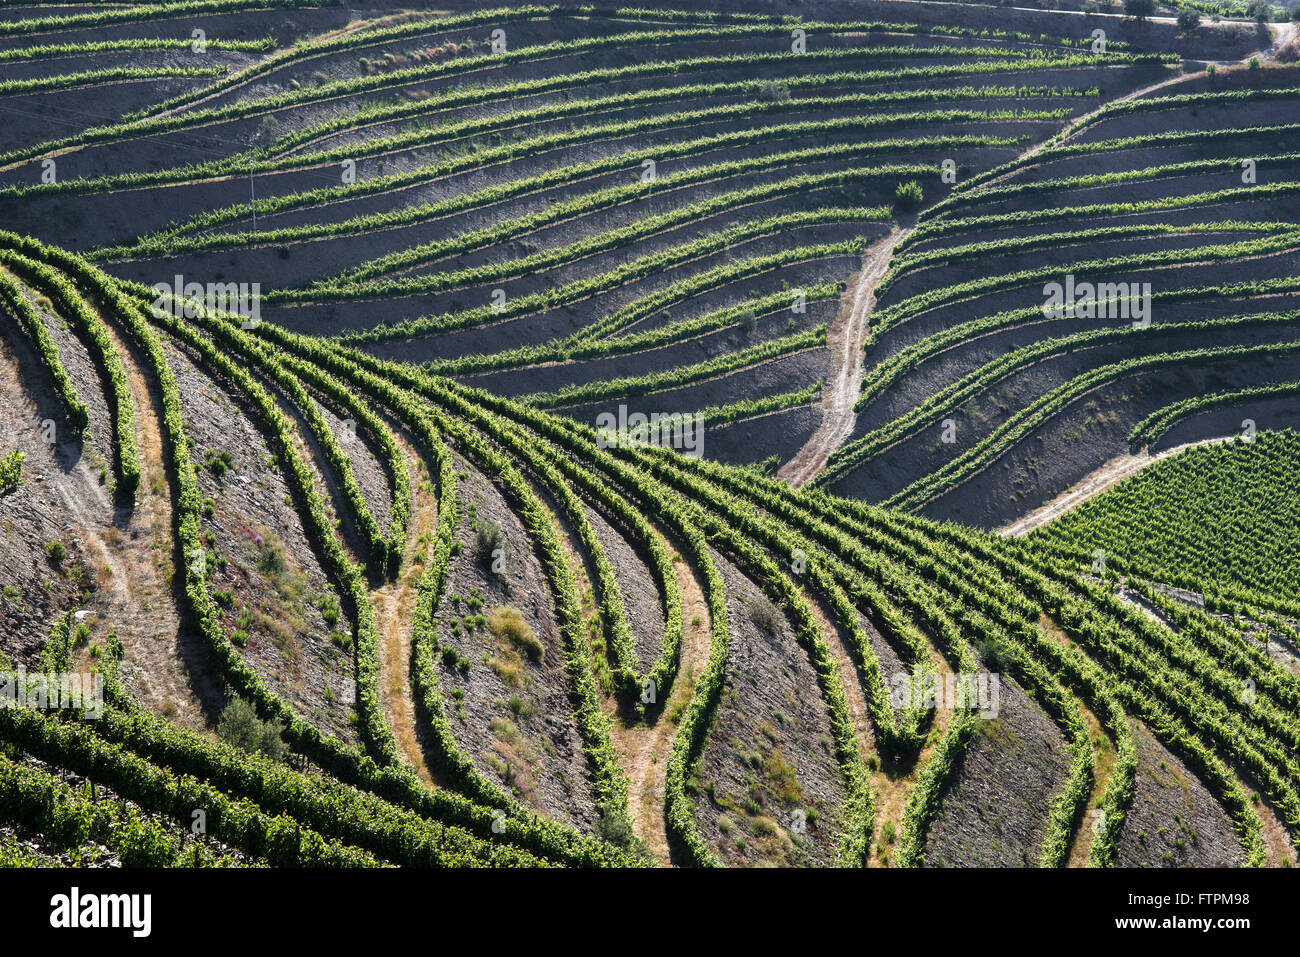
x: 488, y: 537
x: 329, y: 608
x: 217, y: 462
x: 770, y: 91
x: 908, y: 195
x: 240, y: 726
x: 11, y: 468
x: 764, y: 614
x: 271, y: 561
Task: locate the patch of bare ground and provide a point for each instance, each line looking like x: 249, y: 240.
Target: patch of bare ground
x: 771, y: 790
x: 643, y: 745
x: 502, y: 662
x: 126, y: 548
x: 859, y: 714
x: 643, y: 598
x: 276, y: 602
x: 1278, y: 848
x: 1174, y: 821
x: 34, y: 588
x: 394, y: 605
x: 1093, y: 484
x: 995, y: 809
x: 360, y: 447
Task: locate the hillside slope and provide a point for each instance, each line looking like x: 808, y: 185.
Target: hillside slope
x: 322, y: 380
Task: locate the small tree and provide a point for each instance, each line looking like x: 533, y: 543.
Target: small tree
x: 1188, y: 20
x: 240, y: 726
x: 1260, y: 11
x: 1139, y: 9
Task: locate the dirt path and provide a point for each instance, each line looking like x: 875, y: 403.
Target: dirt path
x: 394, y: 606
x: 1093, y: 484
x: 1066, y: 133
x: 1284, y: 32
x: 845, y: 338
x: 1278, y: 849
x: 643, y: 748
x: 893, y: 782
x: 296, y: 59
x: 1103, y: 752
x: 134, y: 555
x: 849, y: 329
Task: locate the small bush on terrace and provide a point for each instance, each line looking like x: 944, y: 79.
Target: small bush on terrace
x: 615, y: 828
x: 764, y: 615
x: 11, y: 470
x: 271, y: 561
x: 770, y: 91
x: 507, y: 624
x: 241, y: 727
x: 488, y: 537
x: 1188, y: 20
x: 217, y: 462
x: 908, y: 195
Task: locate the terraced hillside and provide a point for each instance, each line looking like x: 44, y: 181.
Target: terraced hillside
x: 331, y: 342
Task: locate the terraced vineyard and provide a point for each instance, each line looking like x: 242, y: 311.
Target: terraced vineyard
x: 571, y: 436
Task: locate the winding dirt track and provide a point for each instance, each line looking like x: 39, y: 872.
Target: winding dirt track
x: 1113, y: 472
x: 846, y: 336
x: 849, y: 329
x: 161, y: 665
x: 394, y: 605
x: 644, y: 748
